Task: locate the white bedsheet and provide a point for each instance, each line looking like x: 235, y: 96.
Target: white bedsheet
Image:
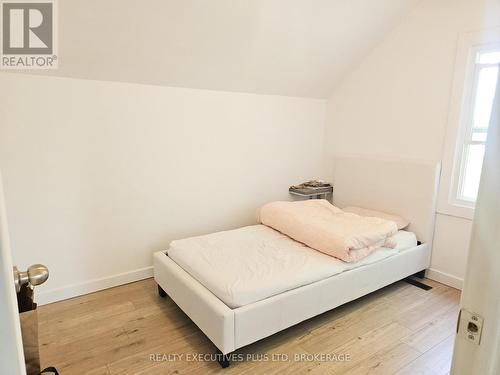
x: 252, y: 263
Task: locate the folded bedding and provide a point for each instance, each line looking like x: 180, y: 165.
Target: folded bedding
x: 252, y: 263
x: 326, y: 228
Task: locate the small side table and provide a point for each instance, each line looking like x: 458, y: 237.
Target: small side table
x: 312, y: 193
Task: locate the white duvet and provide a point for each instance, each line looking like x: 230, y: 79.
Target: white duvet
x: 252, y: 263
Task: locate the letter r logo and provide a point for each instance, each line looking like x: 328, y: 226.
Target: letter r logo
x: 27, y: 28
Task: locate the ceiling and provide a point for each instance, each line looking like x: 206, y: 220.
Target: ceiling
x: 284, y: 47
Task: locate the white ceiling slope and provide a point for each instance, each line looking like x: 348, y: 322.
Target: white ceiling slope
x: 285, y: 47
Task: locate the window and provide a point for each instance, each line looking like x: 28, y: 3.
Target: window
x: 474, y: 85
x: 484, y: 69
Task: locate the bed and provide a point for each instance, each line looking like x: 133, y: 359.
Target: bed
x: 239, y: 304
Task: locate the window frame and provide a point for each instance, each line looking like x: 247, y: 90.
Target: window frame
x: 459, y: 129
x: 465, y: 139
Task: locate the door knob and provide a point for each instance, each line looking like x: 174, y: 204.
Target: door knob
x: 35, y: 275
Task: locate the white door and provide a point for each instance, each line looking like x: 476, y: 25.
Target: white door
x: 480, y: 294
x: 11, y: 345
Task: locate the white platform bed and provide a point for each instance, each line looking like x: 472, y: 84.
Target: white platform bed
x: 401, y: 187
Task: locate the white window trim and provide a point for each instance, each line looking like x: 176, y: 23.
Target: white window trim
x: 468, y: 46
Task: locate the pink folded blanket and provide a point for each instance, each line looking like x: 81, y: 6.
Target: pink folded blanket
x: 326, y: 228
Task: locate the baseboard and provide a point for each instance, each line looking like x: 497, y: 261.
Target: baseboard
x: 445, y: 278
x: 75, y: 290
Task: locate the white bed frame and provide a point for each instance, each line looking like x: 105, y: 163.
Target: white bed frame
x: 407, y: 188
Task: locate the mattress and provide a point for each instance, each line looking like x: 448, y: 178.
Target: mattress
x: 253, y: 263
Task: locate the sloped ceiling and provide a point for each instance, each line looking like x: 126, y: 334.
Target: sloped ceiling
x: 285, y: 47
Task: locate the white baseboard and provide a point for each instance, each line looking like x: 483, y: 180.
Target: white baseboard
x: 75, y: 290
x: 445, y: 278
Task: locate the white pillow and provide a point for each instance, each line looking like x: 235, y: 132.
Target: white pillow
x: 401, y: 222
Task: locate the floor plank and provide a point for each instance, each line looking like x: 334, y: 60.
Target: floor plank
x: 130, y: 330
x: 386, y: 361
x: 436, y: 361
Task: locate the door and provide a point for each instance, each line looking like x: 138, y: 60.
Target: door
x: 11, y: 345
x: 480, y: 294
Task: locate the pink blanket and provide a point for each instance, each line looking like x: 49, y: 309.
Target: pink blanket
x: 324, y: 227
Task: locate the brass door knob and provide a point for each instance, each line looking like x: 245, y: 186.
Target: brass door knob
x: 35, y: 275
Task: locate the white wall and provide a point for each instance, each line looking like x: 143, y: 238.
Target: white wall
x: 99, y: 175
x: 395, y: 103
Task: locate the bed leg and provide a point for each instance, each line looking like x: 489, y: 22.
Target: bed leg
x: 419, y: 275
x: 223, y: 359
x: 161, y: 292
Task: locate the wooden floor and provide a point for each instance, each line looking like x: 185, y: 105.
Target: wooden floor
x: 397, y: 330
